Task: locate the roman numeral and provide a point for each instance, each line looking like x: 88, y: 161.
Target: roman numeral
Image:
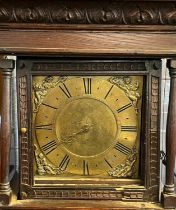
x: 44, y: 127
x: 87, y: 85
x: 52, y: 107
x: 49, y: 147
x: 108, y: 92
x: 108, y: 163
x: 65, y: 90
x: 85, y: 168
x: 129, y: 128
x: 124, y: 107
x: 64, y: 163
x: 122, y: 148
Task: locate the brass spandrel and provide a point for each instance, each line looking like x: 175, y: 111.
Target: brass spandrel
x: 87, y: 126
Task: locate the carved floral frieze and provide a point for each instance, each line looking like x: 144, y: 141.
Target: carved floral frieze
x: 88, y: 12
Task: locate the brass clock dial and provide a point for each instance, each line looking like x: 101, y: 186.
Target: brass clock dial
x: 87, y: 126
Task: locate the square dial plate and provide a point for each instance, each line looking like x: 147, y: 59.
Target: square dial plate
x: 86, y: 126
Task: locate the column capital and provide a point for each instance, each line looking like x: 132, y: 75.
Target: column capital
x: 7, y: 64
x: 171, y: 65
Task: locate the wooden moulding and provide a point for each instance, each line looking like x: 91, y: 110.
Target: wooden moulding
x: 88, y: 12
x: 87, y: 43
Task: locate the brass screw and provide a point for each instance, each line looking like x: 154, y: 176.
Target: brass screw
x: 23, y: 130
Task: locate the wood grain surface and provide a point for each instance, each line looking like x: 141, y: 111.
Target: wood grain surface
x: 87, y: 42
x: 79, y: 205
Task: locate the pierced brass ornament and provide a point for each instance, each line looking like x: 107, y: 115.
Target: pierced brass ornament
x: 129, y: 86
x: 125, y: 169
x: 43, y: 167
x: 40, y: 89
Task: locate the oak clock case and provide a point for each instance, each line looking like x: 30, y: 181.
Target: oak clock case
x: 83, y: 135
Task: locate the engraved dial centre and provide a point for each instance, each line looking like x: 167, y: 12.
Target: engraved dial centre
x: 86, y: 127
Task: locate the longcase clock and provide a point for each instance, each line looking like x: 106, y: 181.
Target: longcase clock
x: 89, y: 128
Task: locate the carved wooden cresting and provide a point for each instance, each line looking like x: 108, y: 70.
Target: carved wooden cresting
x: 126, y: 37
x: 85, y: 12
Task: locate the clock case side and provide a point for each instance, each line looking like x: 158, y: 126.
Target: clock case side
x: 24, y: 120
x: 148, y: 188
x: 151, y: 151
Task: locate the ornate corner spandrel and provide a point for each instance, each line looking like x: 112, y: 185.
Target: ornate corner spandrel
x: 126, y: 169
x: 40, y: 89
x: 43, y: 167
x: 130, y: 88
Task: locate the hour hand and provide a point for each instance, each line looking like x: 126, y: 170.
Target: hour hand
x: 71, y: 138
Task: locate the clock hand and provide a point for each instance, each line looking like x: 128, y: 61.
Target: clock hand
x: 69, y: 139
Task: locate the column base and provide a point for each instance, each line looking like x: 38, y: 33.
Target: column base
x: 5, y: 194
x: 169, y: 200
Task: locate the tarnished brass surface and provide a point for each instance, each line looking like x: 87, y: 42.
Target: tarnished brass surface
x: 87, y: 126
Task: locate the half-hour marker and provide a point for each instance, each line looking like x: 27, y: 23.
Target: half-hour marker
x: 124, y: 107
x: 108, y: 163
x: 85, y: 168
x: 108, y: 92
x: 129, y: 128
x: 64, y: 163
x: 49, y: 106
x: 49, y: 147
x: 65, y: 90
x: 122, y: 148
x: 44, y: 127
x: 87, y: 85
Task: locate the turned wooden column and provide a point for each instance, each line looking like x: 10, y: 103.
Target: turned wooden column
x: 6, y: 67
x: 169, y: 195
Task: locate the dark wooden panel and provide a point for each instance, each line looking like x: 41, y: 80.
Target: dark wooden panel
x: 90, y: 27
x: 72, y: 42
